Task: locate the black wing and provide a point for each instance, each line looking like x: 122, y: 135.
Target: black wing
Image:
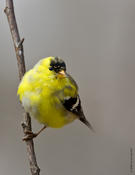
x: 74, y: 105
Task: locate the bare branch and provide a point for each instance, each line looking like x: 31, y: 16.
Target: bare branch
x: 18, y: 45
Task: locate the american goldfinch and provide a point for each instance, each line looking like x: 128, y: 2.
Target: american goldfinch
x: 50, y: 95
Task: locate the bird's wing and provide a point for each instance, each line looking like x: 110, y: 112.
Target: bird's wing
x: 72, y: 81
x: 74, y: 106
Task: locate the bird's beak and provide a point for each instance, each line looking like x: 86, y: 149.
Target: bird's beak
x: 62, y: 74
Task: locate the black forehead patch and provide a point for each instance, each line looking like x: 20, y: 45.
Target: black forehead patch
x: 57, y: 65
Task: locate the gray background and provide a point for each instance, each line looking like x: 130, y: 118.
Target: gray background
x: 96, y: 38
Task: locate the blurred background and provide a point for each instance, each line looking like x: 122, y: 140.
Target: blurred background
x: 96, y: 38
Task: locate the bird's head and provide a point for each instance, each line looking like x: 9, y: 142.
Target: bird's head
x: 58, y: 66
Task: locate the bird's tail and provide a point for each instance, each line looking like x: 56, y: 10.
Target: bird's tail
x: 86, y: 122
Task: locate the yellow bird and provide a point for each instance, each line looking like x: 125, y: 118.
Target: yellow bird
x: 50, y: 95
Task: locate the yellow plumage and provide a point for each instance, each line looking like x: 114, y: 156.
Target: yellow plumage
x: 50, y: 95
x: 40, y: 93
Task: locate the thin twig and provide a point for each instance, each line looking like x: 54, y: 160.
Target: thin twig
x: 18, y: 45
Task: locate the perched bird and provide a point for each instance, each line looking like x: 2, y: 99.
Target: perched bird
x: 50, y: 95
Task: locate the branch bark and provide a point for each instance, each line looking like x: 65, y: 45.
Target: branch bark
x: 18, y: 45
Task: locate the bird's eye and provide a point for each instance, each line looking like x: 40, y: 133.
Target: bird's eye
x: 50, y: 68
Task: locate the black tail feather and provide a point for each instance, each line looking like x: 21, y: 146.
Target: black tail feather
x: 86, y: 122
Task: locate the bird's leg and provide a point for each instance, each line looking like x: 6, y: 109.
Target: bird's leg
x: 30, y: 135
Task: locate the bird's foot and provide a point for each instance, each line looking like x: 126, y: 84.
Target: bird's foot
x: 29, y: 135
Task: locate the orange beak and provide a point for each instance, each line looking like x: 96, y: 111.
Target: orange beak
x: 62, y: 74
